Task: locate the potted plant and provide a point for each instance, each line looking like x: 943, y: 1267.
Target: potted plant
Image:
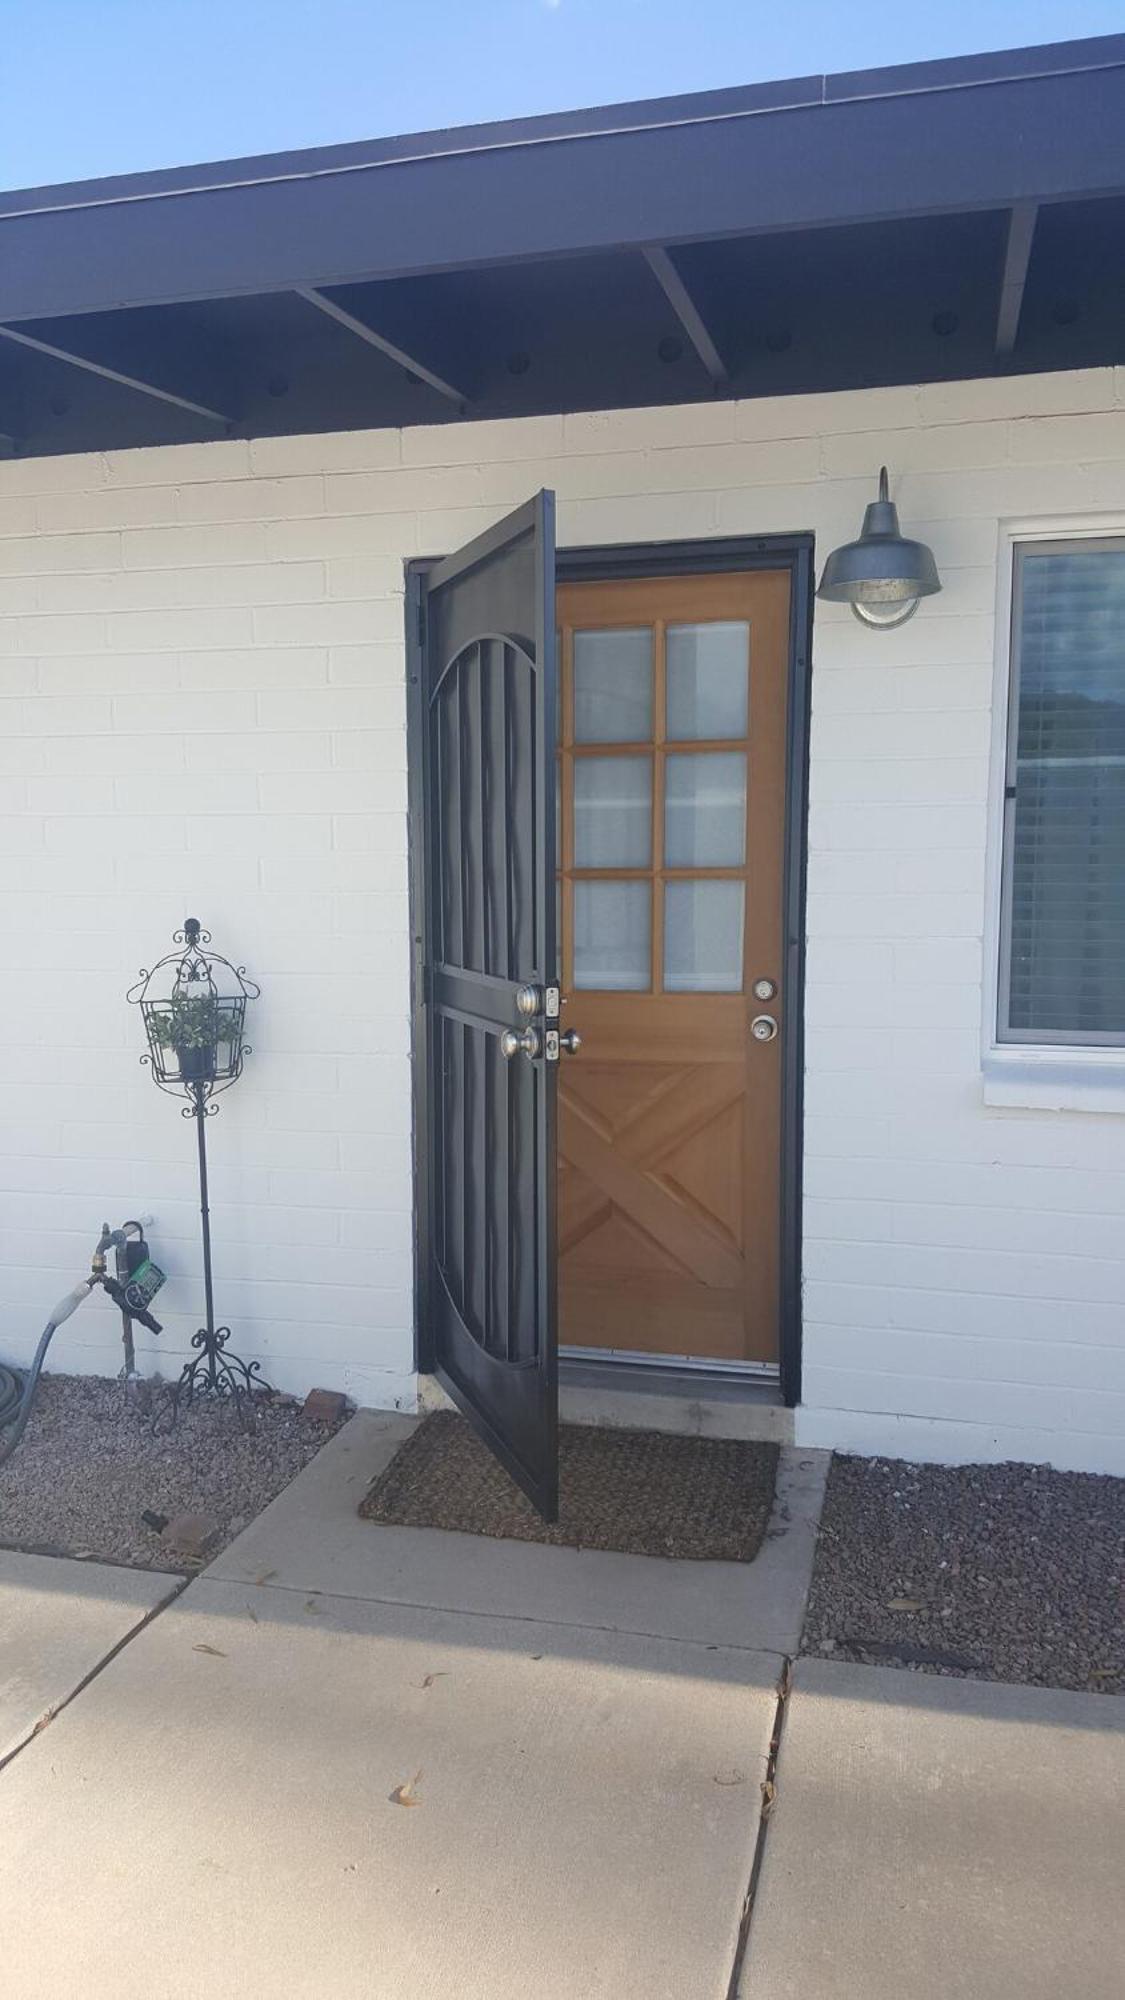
x: 194, y: 1027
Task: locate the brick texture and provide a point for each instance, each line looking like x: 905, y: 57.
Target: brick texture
x: 202, y: 709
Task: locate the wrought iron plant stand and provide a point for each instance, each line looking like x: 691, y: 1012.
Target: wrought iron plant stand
x: 193, y: 1005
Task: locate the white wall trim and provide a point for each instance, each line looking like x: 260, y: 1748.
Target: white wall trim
x: 1043, y: 1076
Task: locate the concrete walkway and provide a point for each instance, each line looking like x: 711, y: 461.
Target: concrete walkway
x: 583, y: 1738
x: 371, y: 1762
x: 58, y: 1621
x: 942, y: 1839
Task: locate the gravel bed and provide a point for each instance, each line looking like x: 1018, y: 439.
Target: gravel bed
x: 996, y: 1572
x: 89, y: 1466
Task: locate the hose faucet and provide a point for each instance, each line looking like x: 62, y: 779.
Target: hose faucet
x: 99, y: 1275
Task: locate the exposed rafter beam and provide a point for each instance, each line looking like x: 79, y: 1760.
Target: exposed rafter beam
x: 687, y: 312
x: 362, y: 331
x: 1021, y: 230
x: 113, y: 375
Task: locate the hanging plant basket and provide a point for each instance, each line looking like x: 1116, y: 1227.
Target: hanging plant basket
x: 193, y: 1004
x: 202, y: 1032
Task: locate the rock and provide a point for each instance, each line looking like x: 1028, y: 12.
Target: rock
x: 325, y: 1406
x: 191, y: 1534
x: 59, y: 1492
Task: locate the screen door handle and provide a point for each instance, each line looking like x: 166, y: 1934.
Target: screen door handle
x: 520, y: 1042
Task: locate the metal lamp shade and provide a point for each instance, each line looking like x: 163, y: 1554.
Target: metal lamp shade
x: 882, y: 575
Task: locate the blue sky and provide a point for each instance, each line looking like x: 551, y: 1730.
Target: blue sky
x: 109, y: 86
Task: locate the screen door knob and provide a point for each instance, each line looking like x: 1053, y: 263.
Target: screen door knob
x: 570, y: 1042
x: 525, y: 1042
x: 763, y: 1027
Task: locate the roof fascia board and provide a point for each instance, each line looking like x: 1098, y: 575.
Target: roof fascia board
x: 1043, y: 139
x: 953, y: 73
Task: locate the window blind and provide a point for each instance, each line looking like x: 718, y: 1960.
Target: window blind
x: 1063, y: 941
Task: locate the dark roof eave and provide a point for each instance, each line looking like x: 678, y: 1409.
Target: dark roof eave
x: 1036, y: 125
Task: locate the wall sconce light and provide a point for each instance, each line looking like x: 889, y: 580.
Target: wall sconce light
x: 882, y: 576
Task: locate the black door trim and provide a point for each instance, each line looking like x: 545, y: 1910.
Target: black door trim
x: 793, y: 552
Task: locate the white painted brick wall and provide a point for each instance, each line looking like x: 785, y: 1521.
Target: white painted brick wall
x: 202, y: 704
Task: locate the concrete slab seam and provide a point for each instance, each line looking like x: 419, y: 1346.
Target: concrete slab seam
x: 769, y: 1794
x: 179, y: 1586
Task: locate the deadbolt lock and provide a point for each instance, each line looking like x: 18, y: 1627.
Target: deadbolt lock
x: 763, y: 1027
x: 764, y: 989
x: 529, y: 1001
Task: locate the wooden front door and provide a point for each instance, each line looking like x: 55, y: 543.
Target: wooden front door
x: 672, y: 793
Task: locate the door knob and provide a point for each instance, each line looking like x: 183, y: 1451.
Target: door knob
x: 529, y: 1001
x: 763, y: 1027
x: 521, y: 1042
x: 570, y: 1042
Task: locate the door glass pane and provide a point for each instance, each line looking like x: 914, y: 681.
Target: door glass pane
x: 708, y: 680
x: 612, y: 933
x: 612, y: 812
x: 1065, y: 891
x: 613, y: 686
x: 703, y: 937
x: 705, y: 809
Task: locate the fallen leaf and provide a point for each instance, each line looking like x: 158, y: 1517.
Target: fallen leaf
x: 213, y: 1650
x: 428, y: 1680
x: 407, y: 1794
x: 265, y: 1576
x: 905, y: 1604
x: 785, y: 1681
x: 312, y: 1605
x: 769, y: 1794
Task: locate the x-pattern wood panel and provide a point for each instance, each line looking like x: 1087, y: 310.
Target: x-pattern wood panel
x: 633, y: 1167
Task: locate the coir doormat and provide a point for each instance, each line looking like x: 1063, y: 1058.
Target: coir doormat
x: 639, y: 1492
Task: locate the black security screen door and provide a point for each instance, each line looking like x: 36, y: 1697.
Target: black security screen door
x: 489, y: 987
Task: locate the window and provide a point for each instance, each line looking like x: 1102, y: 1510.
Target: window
x: 654, y: 747
x: 1062, y: 944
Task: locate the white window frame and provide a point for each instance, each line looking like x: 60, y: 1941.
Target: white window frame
x: 1037, y: 1075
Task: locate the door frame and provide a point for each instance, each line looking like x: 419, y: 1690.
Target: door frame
x: 794, y: 553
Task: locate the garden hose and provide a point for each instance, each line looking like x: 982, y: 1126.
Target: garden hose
x: 16, y: 1396
x: 11, y: 1392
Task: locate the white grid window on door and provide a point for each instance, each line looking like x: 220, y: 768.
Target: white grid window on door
x: 655, y: 758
